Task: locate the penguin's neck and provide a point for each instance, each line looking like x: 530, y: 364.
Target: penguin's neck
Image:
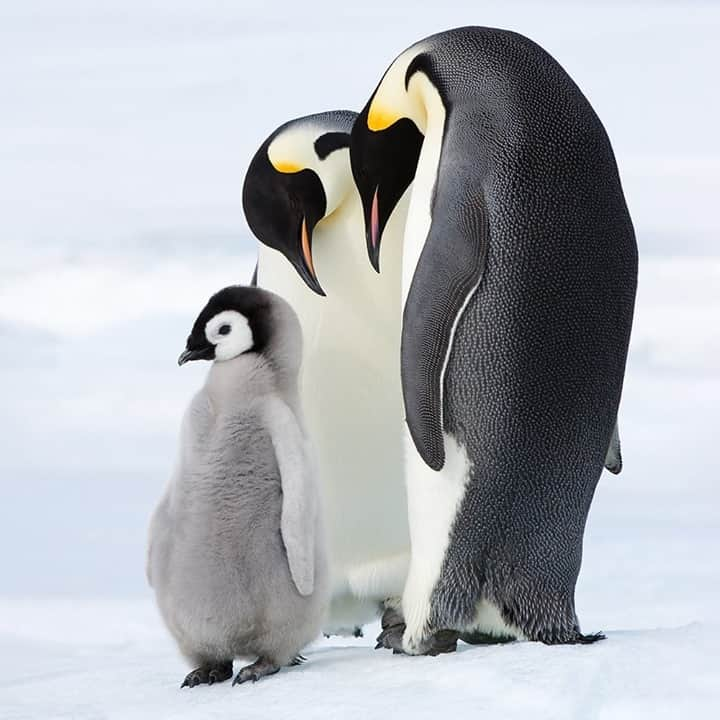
x: 232, y: 383
x: 353, y: 288
x: 430, y: 119
x: 339, y: 247
x: 357, y: 291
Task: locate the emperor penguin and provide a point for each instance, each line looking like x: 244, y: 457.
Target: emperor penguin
x: 236, y: 552
x: 519, y: 271
x: 301, y: 203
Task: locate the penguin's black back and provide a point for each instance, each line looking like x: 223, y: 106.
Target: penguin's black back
x: 534, y: 377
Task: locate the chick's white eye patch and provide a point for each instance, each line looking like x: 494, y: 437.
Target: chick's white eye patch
x: 230, y: 332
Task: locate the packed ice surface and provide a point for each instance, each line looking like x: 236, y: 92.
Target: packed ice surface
x: 125, y: 131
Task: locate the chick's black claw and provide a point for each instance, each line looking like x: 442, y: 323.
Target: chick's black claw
x: 260, y: 668
x: 208, y: 674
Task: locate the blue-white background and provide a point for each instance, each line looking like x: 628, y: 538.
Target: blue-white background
x: 125, y: 130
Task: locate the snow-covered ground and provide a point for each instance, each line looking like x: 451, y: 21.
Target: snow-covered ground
x: 125, y: 130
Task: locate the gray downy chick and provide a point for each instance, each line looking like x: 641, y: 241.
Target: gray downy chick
x: 236, y: 550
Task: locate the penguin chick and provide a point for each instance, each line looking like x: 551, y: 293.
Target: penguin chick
x: 236, y: 550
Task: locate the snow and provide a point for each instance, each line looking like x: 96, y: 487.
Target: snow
x: 129, y: 672
x: 125, y: 131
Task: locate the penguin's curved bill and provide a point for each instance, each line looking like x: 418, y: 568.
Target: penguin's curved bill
x: 305, y: 266
x: 373, y: 233
x: 188, y: 355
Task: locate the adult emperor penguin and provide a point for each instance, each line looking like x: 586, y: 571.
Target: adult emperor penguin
x: 518, y: 281
x: 301, y: 203
x: 236, y: 553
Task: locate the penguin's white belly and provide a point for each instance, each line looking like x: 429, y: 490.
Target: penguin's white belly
x: 354, y: 416
x: 352, y: 402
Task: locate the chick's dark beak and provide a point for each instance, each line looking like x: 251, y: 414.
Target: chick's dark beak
x: 188, y: 355
x: 185, y: 356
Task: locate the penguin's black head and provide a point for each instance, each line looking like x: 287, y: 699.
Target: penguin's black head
x: 383, y: 165
x: 294, y: 181
x: 235, y: 320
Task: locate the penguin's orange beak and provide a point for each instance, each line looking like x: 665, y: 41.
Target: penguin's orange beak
x: 306, y: 267
x: 306, y: 249
x: 373, y: 232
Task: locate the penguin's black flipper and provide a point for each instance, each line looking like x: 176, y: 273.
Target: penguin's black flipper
x: 448, y: 272
x: 613, y: 459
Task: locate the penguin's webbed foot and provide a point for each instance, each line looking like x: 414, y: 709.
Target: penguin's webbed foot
x: 208, y: 674
x: 442, y: 642
x: 439, y: 643
x: 260, y: 668
x: 574, y: 637
x: 391, y: 639
x: 393, y: 629
x: 581, y: 639
x: 393, y: 632
x: 475, y: 637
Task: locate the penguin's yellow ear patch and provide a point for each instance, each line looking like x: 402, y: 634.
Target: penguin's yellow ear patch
x: 380, y: 117
x: 286, y: 166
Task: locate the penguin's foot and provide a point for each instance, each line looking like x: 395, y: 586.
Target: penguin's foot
x: 573, y: 638
x: 208, y: 674
x: 391, y: 639
x: 443, y: 641
x: 581, y: 639
x: 439, y: 643
x: 393, y: 629
x: 260, y: 668
x: 475, y: 637
x: 299, y: 660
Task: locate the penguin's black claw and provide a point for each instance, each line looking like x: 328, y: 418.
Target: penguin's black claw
x: 571, y: 637
x: 208, y: 674
x: 393, y: 629
x: 199, y: 676
x: 299, y: 660
x: 391, y: 638
x: 589, y: 639
x: 260, y: 668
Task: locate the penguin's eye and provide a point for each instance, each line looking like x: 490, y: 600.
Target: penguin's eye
x: 224, y: 330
